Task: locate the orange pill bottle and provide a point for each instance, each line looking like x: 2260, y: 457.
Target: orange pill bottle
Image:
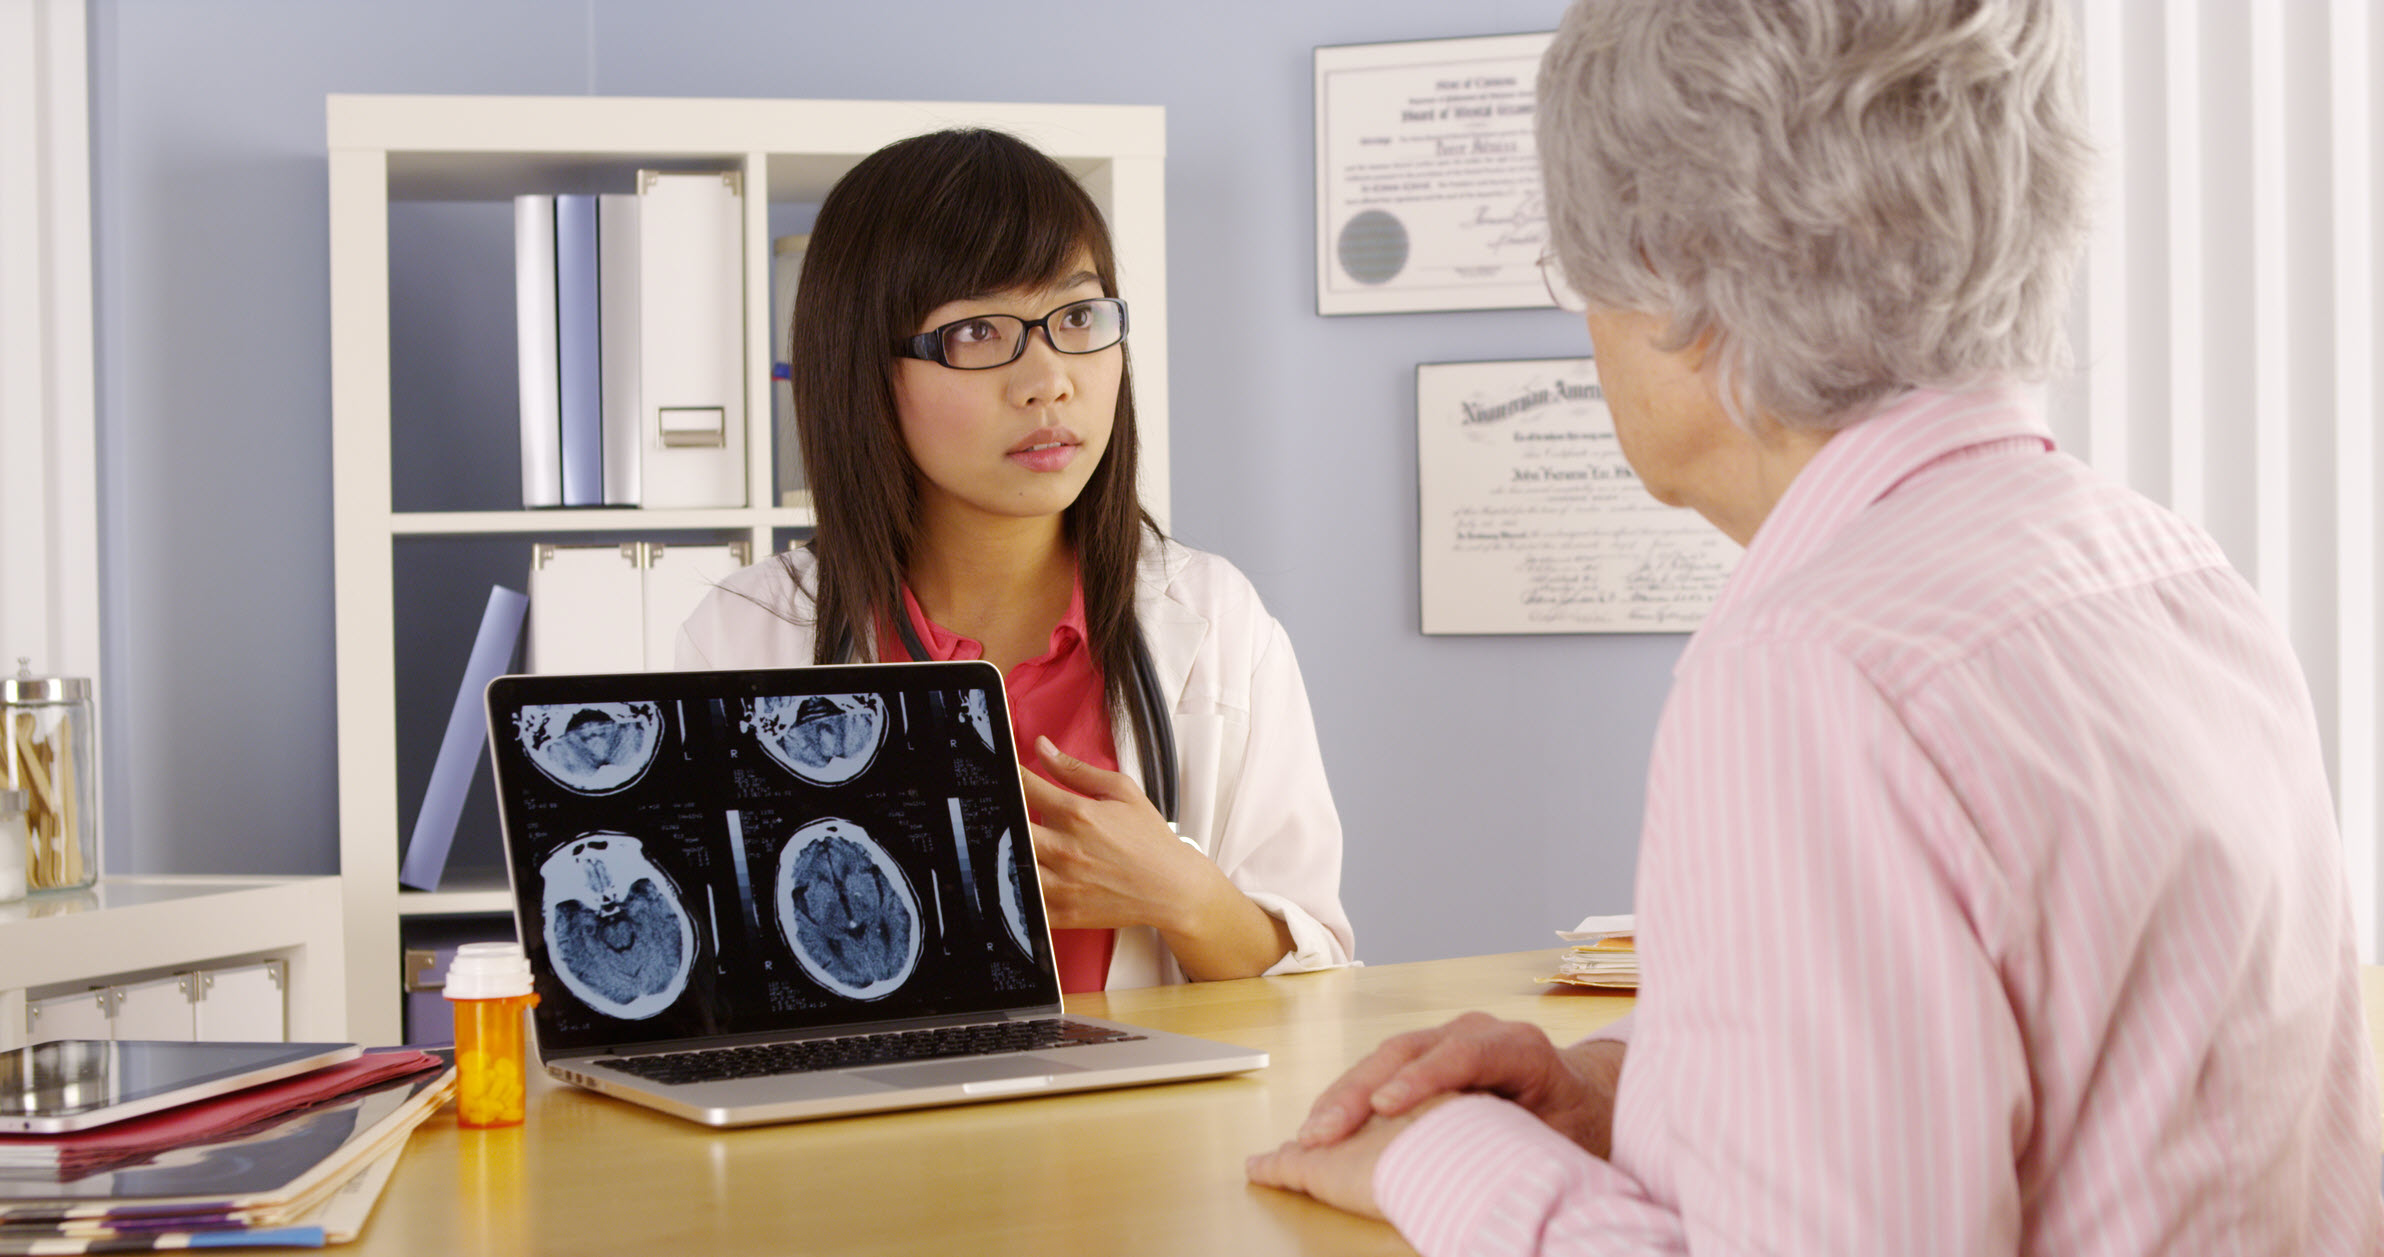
x: 489, y: 984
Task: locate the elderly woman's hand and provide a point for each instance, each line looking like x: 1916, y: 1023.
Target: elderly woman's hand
x: 1339, y: 1174
x: 1571, y: 1089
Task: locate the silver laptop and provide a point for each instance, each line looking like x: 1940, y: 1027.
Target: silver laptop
x: 760, y: 896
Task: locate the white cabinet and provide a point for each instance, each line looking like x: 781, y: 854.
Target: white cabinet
x: 231, y: 1002
x: 215, y: 1003
x: 154, y: 1008
x: 387, y: 150
x: 166, y: 957
x: 89, y: 1013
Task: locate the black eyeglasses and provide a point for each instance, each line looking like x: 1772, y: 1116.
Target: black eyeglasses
x: 982, y: 342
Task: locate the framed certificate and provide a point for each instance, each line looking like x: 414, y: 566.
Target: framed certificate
x: 1533, y: 522
x: 1427, y: 179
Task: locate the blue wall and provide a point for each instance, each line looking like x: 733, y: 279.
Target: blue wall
x: 1490, y: 786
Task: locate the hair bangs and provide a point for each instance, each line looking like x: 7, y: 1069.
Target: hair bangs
x: 998, y: 217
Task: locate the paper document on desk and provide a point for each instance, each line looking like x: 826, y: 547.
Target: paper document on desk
x: 303, y: 1177
x: 1603, y: 954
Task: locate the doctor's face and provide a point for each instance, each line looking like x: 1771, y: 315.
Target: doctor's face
x: 1017, y: 440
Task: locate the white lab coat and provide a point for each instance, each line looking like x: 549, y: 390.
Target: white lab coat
x: 1252, y: 792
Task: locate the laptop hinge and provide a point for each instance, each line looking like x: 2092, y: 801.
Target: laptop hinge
x: 709, y: 1042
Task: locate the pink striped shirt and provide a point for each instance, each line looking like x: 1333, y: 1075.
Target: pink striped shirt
x: 1989, y: 901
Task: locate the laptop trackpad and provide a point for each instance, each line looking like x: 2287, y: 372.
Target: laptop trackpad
x: 962, y: 1073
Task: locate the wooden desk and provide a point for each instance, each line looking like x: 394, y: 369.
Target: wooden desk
x: 1150, y: 1170
x: 1153, y: 1170
x: 2371, y: 983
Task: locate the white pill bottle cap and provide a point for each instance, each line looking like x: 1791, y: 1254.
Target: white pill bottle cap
x: 488, y: 971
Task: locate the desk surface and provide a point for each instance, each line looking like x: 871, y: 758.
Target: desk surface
x: 1152, y: 1170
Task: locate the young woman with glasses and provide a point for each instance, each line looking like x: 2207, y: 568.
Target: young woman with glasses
x: 967, y: 428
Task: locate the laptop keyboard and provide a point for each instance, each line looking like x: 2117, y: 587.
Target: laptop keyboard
x: 763, y: 1060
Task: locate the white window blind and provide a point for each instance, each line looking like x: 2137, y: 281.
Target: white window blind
x: 2227, y: 325
x: 49, y: 549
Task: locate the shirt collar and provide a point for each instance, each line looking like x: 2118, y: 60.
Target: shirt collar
x: 1864, y: 463
x: 944, y: 644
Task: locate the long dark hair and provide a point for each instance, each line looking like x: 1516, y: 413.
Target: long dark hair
x: 920, y: 222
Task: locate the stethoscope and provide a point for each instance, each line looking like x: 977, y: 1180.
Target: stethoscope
x: 1154, y: 725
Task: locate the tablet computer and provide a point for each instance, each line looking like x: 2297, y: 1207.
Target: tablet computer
x: 75, y: 1084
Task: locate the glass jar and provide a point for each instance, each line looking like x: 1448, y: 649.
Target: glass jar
x: 13, y: 845
x: 46, y: 726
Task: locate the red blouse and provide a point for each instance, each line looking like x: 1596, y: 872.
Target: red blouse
x: 1057, y: 695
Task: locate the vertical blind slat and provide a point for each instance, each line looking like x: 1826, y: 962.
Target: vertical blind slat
x: 24, y: 345
x: 2109, y: 406
x: 2181, y: 47
x: 2272, y: 320
x: 2150, y: 372
x: 2352, y: 65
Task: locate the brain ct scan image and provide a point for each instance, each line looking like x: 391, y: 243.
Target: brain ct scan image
x: 973, y: 705
x: 1013, y: 875
x: 620, y: 938
x: 825, y: 739
x: 847, y: 910
x: 591, y: 748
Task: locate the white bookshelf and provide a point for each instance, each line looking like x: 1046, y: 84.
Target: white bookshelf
x: 384, y: 149
x: 135, y: 926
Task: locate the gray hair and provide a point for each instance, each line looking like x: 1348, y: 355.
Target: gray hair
x: 1853, y: 197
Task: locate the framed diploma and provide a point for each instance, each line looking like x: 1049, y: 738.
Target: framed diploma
x: 1427, y: 180
x: 1532, y: 520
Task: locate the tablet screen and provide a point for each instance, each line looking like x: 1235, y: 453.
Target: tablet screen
x: 68, y: 1084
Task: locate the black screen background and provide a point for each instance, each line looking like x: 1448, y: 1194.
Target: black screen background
x: 745, y: 978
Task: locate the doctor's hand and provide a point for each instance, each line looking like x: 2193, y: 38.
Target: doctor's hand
x: 1107, y: 856
x: 1571, y: 1089
x: 1108, y: 859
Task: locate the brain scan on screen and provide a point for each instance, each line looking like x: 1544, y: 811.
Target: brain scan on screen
x: 825, y: 739
x: 973, y: 705
x: 591, y: 748
x: 847, y: 910
x: 1013, y: 891
x: 620, y: 937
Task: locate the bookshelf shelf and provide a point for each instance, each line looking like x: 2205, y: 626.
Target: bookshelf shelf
x: 384, y: 150
x: 455, y: 903
x: 534, y: 523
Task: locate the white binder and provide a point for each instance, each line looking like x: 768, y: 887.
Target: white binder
x: 618, y: 608
x: 691, y: 340
x: 244, y: 1003
x: 586, y: 609
x: 159, y: 1008
x: 617, y: 304
x: 576, y: 350
x: 786, y: 270
x: 78, y: 1015
x: 537, y: 350
x: 677, y: 578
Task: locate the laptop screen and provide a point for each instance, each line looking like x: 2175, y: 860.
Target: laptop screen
x: 696, y: 854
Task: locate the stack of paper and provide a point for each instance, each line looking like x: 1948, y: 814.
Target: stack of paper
x: 284, y: 1164
x: 1603, y: 954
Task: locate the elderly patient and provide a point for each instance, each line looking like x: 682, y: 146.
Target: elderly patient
x: 1990, y: 899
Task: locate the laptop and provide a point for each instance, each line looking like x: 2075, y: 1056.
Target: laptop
x: 771, y: 895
